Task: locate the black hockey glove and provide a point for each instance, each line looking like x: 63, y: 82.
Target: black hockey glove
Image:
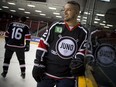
x: 38, y: 71
x: 27, y: 48
x: 77, y: 67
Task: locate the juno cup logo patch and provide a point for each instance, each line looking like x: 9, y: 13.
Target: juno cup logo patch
x: 66, y: 47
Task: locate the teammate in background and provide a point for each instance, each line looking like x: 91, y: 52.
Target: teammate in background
x: 15, y: 38
x: 61, y: 51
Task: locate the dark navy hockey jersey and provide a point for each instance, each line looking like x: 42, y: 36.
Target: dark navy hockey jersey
x: 59, y: 45
x: 16, y: 34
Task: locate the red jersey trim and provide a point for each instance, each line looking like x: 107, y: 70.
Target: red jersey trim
x: 42, y: 45
x: 78, y: 24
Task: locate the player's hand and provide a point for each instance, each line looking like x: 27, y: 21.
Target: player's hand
x: 77, y: 67
x: 27, y: 48
x: 38, y: 72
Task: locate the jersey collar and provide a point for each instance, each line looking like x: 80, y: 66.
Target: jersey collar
x: 78, y: 24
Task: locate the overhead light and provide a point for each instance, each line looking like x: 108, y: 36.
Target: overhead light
x: 102, y: 24
x: 100, y: 15
x: 79, y: 16
x: 109, y: 25
x: 104, y: 21
x: 95, y: 22
x: 59, y: 16
x: 86, y: 13
x: 21, y: 8
x: 5, y: 7
x: 11, y: 3
x: 84, y: 17
x: 56, y: 13
x: 27, y: 12
x: 106, y: 0
x: 43, y: 14
x: 106, y: 27
x: 52, y: 8
x: 97, y: 19
x: 38, y: 11
x: 31, y: 5
x: 13, y: 10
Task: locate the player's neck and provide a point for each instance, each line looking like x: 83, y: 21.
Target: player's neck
x: 72, y: 23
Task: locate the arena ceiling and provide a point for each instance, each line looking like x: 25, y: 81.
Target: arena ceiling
x: 52, y: 10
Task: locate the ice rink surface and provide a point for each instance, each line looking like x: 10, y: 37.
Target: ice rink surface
x: 13, y: 78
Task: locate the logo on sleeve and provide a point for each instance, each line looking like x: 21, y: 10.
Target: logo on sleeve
x: 66, y: 47
x: 58, y: 29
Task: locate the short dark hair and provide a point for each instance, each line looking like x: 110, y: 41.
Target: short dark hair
x: 74, y: 3
x: 23, y: 19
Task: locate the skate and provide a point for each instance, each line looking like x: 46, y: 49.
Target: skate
x: 3, y: 74
x: 23, y: 75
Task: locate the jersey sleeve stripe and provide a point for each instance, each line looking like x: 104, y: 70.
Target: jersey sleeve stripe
x: 42, y: 49
x: 28, y: 37
x: 44, y: 41
x: 42, y: 45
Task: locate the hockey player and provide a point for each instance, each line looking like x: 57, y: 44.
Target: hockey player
x: 61, y: 50
x: 15, y: 38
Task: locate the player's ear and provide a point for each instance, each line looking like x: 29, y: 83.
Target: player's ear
x: 77, y: 12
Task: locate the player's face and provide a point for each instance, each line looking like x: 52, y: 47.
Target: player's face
x: 70, y: 13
